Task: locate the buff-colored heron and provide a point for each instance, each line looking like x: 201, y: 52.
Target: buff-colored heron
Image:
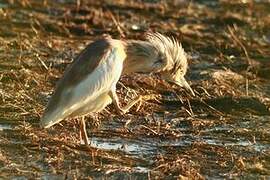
x: 89, y: 83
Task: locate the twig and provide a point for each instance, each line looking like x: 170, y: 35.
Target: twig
x: 247, y: 91
x: 211, y: 107
x: 117, y: 24
x: 191, y: 111
x: 150, y: 129
x: 205, y: 91
x: 237, y: 41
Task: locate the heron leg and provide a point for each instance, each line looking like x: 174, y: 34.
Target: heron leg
x: 115, y: 102
x: 83, y: 133
x: 139, y: 99
x: 126, y: 108
x: 130, y: 104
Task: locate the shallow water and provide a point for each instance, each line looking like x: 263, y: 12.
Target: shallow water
x: 223, y: 132
x: 5, y: 126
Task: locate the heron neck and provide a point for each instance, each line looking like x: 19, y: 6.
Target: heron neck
x: 139, y: 55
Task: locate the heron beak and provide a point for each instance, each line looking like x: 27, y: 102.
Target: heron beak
x: 182, y: 82
x: 45, y: 125
x: 48, y: 121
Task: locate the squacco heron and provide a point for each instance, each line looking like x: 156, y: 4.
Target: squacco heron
x: 89, y: 83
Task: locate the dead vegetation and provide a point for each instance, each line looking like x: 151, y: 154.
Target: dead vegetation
x: 223, y: 132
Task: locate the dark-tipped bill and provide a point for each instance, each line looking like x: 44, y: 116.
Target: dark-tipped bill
x: 49, y: 120
x: 182, y: 82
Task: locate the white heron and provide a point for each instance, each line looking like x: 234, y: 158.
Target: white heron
x: 89, y: 83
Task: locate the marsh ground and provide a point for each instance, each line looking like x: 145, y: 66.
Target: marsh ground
x: 223, y: 132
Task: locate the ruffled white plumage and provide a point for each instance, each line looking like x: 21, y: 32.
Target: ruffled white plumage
x: 90, y: 94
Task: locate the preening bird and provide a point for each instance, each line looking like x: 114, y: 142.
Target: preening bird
x: 89, y: 83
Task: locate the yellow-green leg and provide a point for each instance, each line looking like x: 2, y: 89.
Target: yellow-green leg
x: 83, y: 133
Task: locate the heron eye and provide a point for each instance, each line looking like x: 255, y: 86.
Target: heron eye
x: 159, y: 61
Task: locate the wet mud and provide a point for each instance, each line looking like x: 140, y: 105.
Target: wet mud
x: 222, y: 132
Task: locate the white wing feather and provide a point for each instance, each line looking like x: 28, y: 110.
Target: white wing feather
x: 101, y: 80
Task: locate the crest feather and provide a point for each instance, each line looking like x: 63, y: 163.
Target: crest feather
x: 171, y: 49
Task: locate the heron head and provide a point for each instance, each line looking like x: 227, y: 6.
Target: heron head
x: 170, y: 60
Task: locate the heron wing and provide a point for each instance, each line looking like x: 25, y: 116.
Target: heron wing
x: 93, y: 72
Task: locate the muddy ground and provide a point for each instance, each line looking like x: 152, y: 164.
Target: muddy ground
x: 223, y: 132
